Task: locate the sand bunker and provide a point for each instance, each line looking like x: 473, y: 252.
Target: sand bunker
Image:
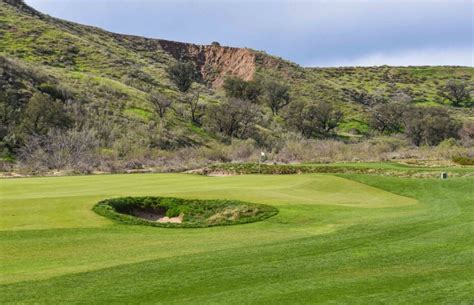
x: 169, y: 212
x: 158, y: 215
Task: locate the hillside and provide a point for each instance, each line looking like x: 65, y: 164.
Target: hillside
x: 104, y: 81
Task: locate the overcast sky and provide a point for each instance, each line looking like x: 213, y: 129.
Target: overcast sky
x: 311, y: 33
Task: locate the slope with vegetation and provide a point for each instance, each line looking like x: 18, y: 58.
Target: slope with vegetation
x: 81, y: 98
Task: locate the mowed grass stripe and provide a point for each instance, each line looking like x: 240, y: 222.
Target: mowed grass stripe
x: 271, y: 266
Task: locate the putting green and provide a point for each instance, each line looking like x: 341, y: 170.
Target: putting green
x: 66, y: 202
x: 332, y: 233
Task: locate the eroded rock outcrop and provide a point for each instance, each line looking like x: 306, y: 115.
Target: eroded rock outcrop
x: 213, y: 61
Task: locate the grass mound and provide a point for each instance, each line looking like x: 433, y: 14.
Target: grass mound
x: 192, y: 213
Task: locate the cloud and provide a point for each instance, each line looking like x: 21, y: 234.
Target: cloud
x: 441, y: 57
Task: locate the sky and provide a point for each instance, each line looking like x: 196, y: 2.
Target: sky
x: 311, y: 33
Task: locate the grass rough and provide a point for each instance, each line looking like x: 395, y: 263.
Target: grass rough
x: 383, y: 169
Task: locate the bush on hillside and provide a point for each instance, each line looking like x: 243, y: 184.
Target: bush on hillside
x: 236, y: 87
x: 463, y: 160
x: 387, y: 118
x: 429, y: 125
x: 182, y: 74
x: 457, y: 93
x: 314, y: 119
x: 234, y: 118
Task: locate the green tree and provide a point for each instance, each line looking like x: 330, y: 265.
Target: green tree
x: 457, y: 92
x: 277, y: 95
x: 43, y: 113
x: 236, y: 87
x: 387, y: 118
x: 183, y: 74
x: 313, y: 119
x: 234, y: 118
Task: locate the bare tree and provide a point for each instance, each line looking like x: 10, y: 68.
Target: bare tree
x: 160, y: 102
x: 60, y: 149
x: 195, y: 107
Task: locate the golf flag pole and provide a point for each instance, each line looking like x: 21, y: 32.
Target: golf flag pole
x: 262, y: 159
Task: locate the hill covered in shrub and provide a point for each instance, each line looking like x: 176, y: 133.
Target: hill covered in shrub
x: 127, y: 99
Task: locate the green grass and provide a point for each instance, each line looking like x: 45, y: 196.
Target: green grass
x: 143, y: 114
x: 394, y: 166
x: 348, y: 239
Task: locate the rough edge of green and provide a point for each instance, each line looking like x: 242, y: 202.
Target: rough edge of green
x: 105, y: 208
x: 291, y: 169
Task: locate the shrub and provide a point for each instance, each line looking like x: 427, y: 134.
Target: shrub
x: 387, y: 118
x: 314, y: 119
x: 56, y: 91
x: 233, y: 118
x: 183, y: 74
x: 463, y: 160
x: 60, y: 150
x: 236, y: 87
x: 457, y: 93
x: 466, y: 133
x: 429, y: 125
x: 42, y: 113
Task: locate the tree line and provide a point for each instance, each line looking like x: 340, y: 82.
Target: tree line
x: 243, y: 109
x: 248, y: 108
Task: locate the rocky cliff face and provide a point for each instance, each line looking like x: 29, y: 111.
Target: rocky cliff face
x: 213, y: 61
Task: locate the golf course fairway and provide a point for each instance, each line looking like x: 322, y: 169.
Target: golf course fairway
x: 336, y: 239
